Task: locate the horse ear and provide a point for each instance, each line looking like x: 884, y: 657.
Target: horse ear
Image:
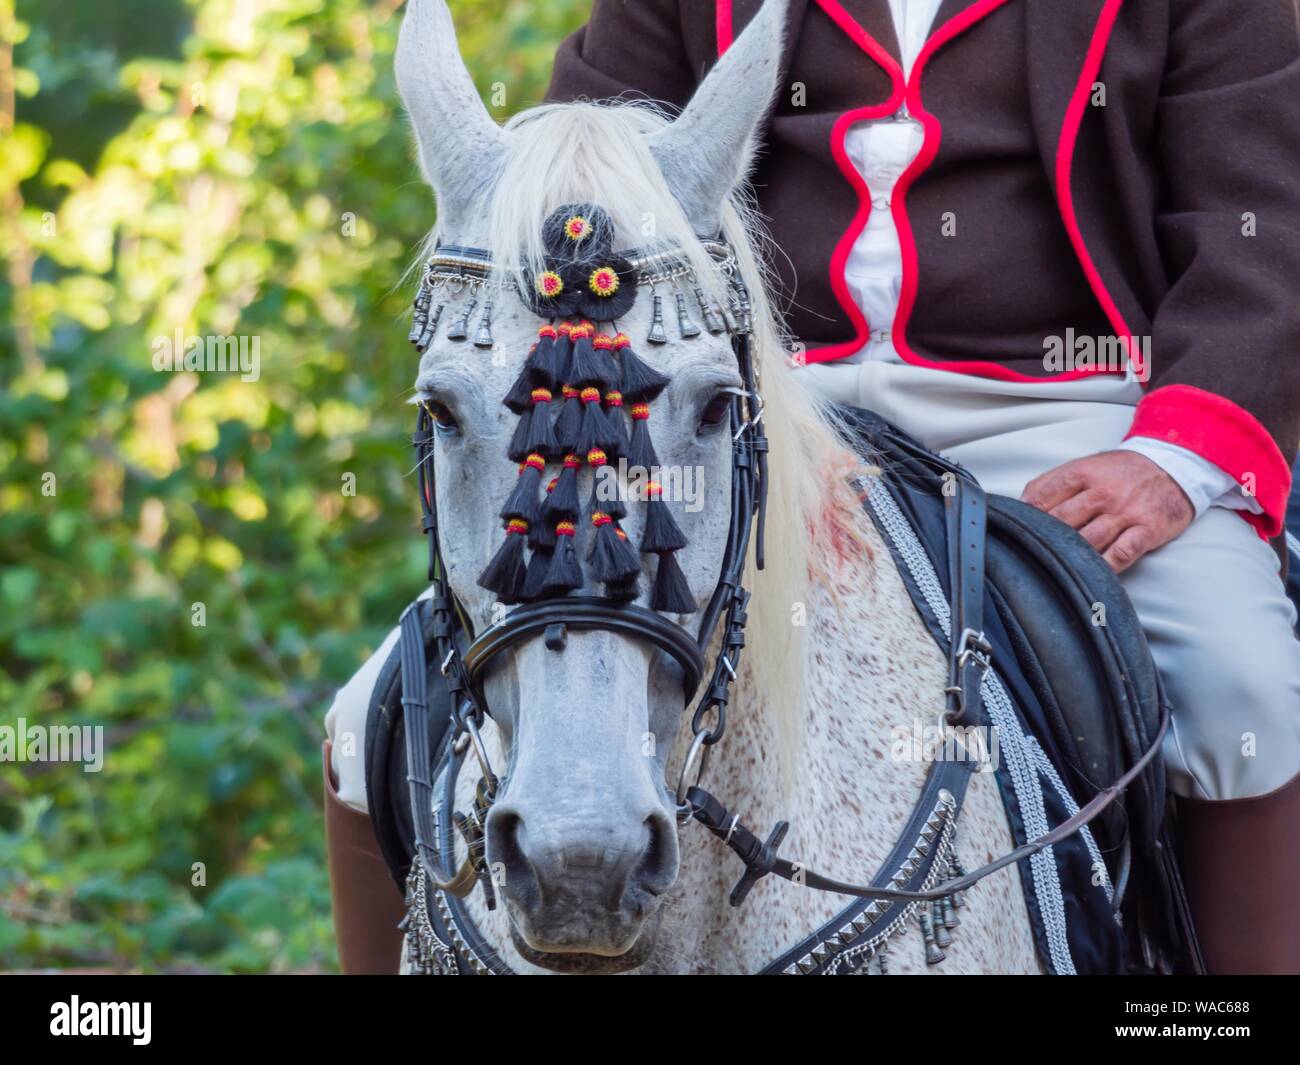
x: 462, y: 149
x: 706, y: 153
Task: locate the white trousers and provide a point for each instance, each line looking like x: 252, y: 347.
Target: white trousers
x: 1211, y: 601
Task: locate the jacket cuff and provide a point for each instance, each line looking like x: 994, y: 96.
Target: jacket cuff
x: 1225, y: 434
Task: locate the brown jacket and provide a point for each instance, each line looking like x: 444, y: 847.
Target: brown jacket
x: 1119, y: 168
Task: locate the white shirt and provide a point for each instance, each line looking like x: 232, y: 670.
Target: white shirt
x: 881, y: 150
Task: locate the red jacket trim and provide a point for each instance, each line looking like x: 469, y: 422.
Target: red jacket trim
x: 956, y: 25
x: 1064, y: 166
x: 726, y: 30
x: 1228, y: 436
x: 911, y: 92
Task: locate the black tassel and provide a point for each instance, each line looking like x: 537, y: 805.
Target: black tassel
x: 519, y: 449
x: 595, y: 432
x: 640, y: 383
x: 543, y: 362
x: 520, y: 397
x: 562, y: 500
x: 569, y: 424
x: 640, y: 449
x: 612, y: 372
x: 541, y: 537
x: 671, y: 593
x: 661, y: 531
x: 541, y: 432
x: 617, y: 423
x: 613, y: 559
x: 563, y: 352
x: 506, y: 573
x: 589, y: 366
x: 565, y: 574
x: 525, y: 499
x: 539, y: 566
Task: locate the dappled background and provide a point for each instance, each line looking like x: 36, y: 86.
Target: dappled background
x: 231, y: 167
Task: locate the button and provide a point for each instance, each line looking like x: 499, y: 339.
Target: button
x: 880, y: 202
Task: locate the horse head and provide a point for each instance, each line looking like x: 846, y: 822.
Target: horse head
x: 582, y: 836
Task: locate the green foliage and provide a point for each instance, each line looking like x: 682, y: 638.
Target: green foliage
x: 218, y: 167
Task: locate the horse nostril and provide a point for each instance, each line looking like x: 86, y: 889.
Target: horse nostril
x: 657, y: 869
x: 512, y: 870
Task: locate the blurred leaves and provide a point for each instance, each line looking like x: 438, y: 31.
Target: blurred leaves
x: 175, y: 169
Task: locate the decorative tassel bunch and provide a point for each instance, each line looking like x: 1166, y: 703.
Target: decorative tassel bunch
x: 583, y: 399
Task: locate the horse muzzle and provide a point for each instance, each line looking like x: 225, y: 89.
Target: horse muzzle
x: 583, y: 881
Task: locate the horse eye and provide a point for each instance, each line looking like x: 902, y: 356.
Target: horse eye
x: 719, y: 407
x: 444, y: 422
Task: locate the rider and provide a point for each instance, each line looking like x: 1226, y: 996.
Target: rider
x: 1011, y: 198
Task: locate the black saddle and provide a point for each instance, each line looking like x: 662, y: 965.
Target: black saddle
x: 1069, y: 648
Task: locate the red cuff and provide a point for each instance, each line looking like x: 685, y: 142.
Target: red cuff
x: 1225, y: 434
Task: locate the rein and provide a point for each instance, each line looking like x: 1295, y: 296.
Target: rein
x: 922, y: 868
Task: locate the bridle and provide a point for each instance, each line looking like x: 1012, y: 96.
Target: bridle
x: 464, y: 669
x: 922, y: 869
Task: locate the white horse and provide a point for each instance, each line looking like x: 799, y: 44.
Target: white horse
x: 598, y: 876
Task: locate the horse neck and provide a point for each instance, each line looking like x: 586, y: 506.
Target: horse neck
x: 870, y: 668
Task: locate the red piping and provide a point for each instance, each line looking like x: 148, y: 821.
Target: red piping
x: 930, y: 147
x: 1064, y: 164
x: 906, y: 239
x: 725, y: 29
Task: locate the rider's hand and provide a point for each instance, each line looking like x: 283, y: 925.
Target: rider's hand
x: 1120, y: 502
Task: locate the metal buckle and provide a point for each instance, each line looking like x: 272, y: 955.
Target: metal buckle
x: 975, y: 646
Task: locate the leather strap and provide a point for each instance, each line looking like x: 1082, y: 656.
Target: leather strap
x: 586, y: 612
x: 968, y: 655
x: 415, y: 711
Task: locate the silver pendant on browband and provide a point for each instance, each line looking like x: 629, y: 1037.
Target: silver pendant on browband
x: 712, y: 322
x: 430, y: 329
x: 459, y: 328
x: 419, y: 315
x: 423, y: 323
x: 483, y: 339
x: 685, y: 326
x: 657, y: 334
